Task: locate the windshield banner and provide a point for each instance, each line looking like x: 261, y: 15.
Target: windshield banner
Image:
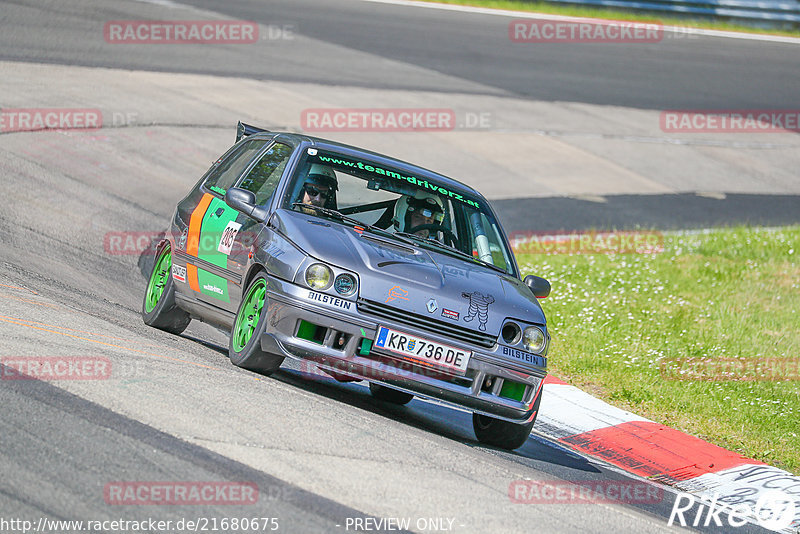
x: 419, y: 182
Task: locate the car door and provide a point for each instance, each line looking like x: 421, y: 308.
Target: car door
x: 262, y: 179
x: 213, y: 227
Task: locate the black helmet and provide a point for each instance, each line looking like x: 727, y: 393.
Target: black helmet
x: 322, y: 175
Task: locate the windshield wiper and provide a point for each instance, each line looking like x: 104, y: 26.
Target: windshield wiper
x: 344, y: 218
x: 438, y: 244
x: 415, y: 237
x: 327, y: 211
x: 486, y: 263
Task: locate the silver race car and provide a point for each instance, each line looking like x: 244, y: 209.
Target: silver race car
x: 366, y: 266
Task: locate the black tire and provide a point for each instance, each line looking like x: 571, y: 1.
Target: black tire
x: 504, y: 434
x: 389, y: 395
x: 250, y: 356
x: 500, y: 433
x: 165, y: 315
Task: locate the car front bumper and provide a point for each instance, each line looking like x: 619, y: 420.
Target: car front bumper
x: 338, y: 338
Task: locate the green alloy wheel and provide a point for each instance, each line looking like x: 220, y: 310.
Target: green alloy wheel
x: 250, y: 312
x: 244, y: 348
x: 158, y: 279
x: 158, y: 307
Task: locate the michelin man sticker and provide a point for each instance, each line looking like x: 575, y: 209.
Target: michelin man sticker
x: 478, y: 306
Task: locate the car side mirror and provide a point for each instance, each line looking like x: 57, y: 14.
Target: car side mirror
x: 539, y: 286
x: 244, y: 201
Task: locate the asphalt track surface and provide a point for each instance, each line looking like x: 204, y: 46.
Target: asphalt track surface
x: 176, y: 410
x: 383, y: 46
x: 677, y: 73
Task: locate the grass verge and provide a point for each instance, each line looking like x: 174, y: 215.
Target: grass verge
x: 647, y: 332
x: 619, y: 14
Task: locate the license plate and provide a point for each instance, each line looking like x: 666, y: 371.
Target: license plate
x: 423, y: 351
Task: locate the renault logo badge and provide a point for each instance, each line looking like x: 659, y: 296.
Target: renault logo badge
x: 432, y: 306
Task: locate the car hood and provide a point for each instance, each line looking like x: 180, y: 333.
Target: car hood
x: 420, y: 281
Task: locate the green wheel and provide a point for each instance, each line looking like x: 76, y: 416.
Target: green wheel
x: 249, y: 314
x: 244, y: 348
x: 158, y: 307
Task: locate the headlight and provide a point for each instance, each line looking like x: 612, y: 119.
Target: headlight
x: 319, y: 276
x: 345, y: 284
x: 533, y: 339
x: 511, y: 333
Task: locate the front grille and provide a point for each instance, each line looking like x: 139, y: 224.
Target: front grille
x: 426, y: 323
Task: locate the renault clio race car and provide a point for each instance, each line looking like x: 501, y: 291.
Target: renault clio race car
x: 367, y: 267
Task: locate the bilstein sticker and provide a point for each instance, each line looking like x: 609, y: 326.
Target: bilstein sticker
x: 525, y: 356
x: 329, y: 300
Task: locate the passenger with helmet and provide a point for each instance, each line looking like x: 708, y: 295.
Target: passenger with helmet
x: 319, y: 187
x: 412, y: 212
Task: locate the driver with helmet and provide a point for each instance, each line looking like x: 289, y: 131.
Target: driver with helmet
x: 319, y: 187
x: 421, y: 210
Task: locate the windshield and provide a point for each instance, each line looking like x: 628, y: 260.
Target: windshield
x: 384, y: 199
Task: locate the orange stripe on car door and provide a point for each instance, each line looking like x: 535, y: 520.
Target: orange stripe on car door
x: 193, y: 239
x: 191, y: 276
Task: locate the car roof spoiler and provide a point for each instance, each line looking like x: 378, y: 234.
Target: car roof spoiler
x: 243, y: 130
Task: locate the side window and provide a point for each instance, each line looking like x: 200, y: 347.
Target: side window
x: 226, y: 173
x: 485, y: 240
x: 263, y: 178
x: 495, y: 247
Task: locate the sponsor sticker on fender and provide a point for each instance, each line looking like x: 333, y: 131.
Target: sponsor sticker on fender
x: 179, y: 273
